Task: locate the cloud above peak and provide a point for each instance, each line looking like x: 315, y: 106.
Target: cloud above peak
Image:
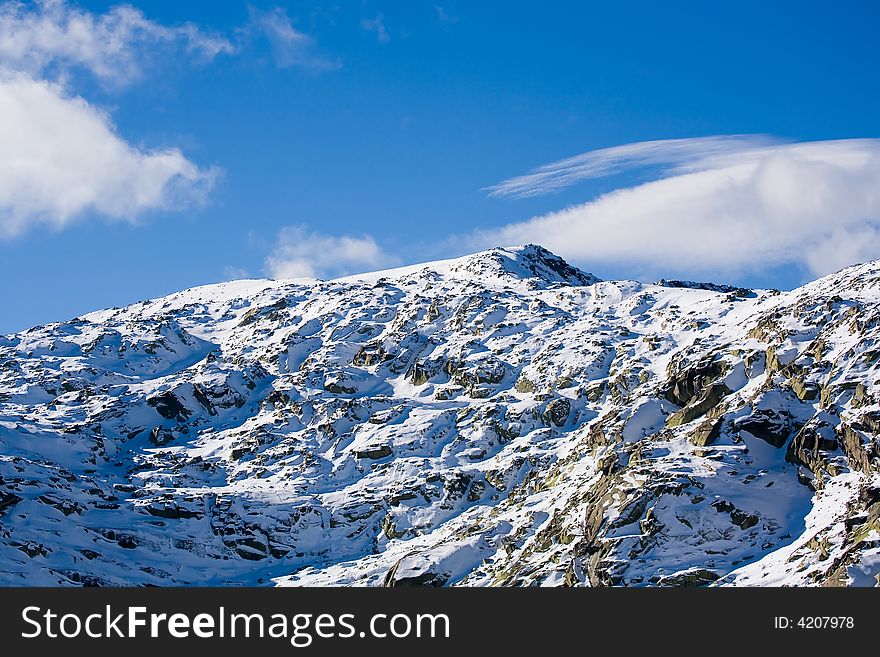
x: 666, y: 154
x: 301, y: 253
x: 720, y: 205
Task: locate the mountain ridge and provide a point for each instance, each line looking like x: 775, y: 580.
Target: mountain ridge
x: 497, y: 419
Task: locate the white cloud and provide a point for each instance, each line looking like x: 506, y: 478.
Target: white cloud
x: 50, y: 36
x: 290, y: 47
x: 61, y: 159
x: 376, y: 25
x: 726, y: 205
x: 670, y: 154
x: 300, y: 253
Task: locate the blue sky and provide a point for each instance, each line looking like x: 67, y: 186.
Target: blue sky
x: 373, y: 129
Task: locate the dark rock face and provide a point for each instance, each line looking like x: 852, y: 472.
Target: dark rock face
x: 557, y: 412
x: 172, y: 512
x: 768, y: 425
x: 708, y: 401
x: 713, y: 287
x: 380, y: 452
x: 707, y: 433
x: 160, y: 436
x: 540, y: 259
x: 7, y: 501
x: 169, y: 406
x: 807, y: 448
x: 861, y: 451
x: 692, y: 382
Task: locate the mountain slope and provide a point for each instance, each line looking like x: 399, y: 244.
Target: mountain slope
x: 498, y: 419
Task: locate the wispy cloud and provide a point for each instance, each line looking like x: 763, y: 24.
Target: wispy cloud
x: 443, y: 15
x: 299, y: 252
x: 376, y: 25
x: 290, y: 47
x: 720, y: 205
x: 667, y: 154
x: 233, y: 273
x: 51, y: 36
x: 48, y: 38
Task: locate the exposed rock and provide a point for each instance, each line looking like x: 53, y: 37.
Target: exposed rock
x: 524, y: 385
x: 707, y: 432
x: 557, y: 412
x: 169, y: 406
x: 335, y: 388
x: 868, y: 422
x: 380, y: 452
x: 689, y: 578
x: 160, y: 436
x: 396, y: 578
x: 7, y: 501
x: 693, y: 381
x: 172, y: 511
x: 768, y: 425
x: 595, y: 391
x: 709, y: 400
x: 807, y: 446
x: 804, y: 391
x: 859, y: 450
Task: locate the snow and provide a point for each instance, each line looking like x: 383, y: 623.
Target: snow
x: 459, y: 420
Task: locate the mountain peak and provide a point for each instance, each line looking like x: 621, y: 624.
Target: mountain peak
x: 529, y: 263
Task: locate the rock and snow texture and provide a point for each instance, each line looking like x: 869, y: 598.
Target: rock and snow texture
x: 499, y: 419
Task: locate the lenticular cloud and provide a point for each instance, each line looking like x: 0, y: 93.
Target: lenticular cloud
x: 719, y: 204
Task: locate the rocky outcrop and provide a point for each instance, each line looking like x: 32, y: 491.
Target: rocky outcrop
x: 692, y: 382
x: 557, y: 412
x: 708, y: 401
x: 170, y: 407
x: 773, y: 427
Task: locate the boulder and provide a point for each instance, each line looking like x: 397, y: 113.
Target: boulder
x: 707, y: 432
x: 689, y: 578
x: 557, y: 412
x: 160, y: 436
x: 692, y: 382
x: 804, y: 391
x: 379, y: 452
x: 411, y: 571
x: 770, y: 426
x: 169, y: 406
x: 709, y: 400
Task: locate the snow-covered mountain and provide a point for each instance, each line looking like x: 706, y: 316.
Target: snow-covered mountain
x: 498, y: 419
